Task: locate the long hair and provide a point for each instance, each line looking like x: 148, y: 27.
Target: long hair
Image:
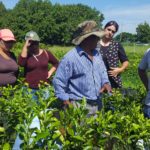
x: 2, y: 53
x: 112, y: 23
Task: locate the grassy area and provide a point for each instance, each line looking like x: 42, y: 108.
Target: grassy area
x: 61, y: 50
x: 122, y: 127
x: 130, y: 76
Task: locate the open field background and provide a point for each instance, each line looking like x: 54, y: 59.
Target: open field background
x: 134, y: 52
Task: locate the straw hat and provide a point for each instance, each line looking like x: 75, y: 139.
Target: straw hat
x: 86, y: 29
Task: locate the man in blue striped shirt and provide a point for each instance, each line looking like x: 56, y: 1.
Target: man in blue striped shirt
x: 82, y: 73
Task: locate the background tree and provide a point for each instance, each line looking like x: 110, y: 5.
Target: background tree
x: 55, y: 24
x: 3, y: 12
x: 67, y: 17
x: 2, y: 9
x: 126, y: 37
x: 30, y: 15
x: 143, y: 33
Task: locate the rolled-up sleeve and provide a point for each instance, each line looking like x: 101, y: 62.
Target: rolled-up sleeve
x: 144, y: 62
x: 61, y: 79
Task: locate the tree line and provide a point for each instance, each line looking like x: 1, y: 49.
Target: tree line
x: 56, y: 23
x: 142, y: 35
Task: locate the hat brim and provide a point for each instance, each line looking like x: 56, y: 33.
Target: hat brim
x: 32, y: 39
x: 81, y: 38
x: 9, y: 39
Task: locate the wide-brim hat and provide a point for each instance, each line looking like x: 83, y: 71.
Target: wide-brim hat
x: 86, y: 29
x: 7, y: 35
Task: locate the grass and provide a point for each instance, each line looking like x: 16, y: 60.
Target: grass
x: 129, y: 77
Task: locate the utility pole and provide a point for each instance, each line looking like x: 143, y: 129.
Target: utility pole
x: 121, y: 30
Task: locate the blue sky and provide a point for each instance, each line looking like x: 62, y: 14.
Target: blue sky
x: 128, y: 13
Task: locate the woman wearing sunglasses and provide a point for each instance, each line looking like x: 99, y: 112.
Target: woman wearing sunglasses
x: 113, y: 53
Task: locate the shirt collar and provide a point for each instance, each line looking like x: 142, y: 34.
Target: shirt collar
x: 81, y: 52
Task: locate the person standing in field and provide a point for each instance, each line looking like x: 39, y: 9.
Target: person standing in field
x: 35, y: 62
x: 112, y: 53
x: 82, y: 73
x: 8, y: 64
x: 143, y: 67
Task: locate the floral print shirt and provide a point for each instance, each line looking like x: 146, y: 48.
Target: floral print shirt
x: 112, y: 55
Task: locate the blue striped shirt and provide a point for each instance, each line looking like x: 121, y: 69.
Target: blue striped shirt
x: 79, y: 77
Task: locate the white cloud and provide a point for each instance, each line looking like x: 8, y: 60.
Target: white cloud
x: 139, y: 11
x: 128, y: 17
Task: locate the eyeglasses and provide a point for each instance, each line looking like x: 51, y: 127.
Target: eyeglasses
x: 111, y: 30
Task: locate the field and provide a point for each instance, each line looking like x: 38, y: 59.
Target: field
x: 134, y: 53
x: 118, y: 126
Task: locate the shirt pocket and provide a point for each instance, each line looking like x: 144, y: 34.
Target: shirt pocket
x: 79, y: 71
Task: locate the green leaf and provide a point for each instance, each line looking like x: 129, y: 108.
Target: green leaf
x: 2, y: 129
x: 78, y: 138
x: 70, y: 131
x: 42, y: 135
x: 6, y: 146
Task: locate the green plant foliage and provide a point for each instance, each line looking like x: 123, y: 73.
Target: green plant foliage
x: 143, y: 32
x: 118, y: 126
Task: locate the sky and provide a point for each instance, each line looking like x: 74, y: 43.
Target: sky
x: 128, y: 13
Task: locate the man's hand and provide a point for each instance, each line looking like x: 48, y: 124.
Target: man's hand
x: 106, y: 88
x: 66, y: 103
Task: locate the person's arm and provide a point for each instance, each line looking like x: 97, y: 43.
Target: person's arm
x: 115, y: 71
x: 51, y: 71
x: 61, y: 80
x: 106, y: 87
x: 143, y: 77
x: 15, y: 59
x: 22, y: 59
x: 24, y: 52
x: 142, y: 68
x: 104, y: 78
x: 124, y: 65
x: 53, y: 60
x: 124, y: 62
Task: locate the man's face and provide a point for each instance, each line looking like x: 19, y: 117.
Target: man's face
x: 92, y: 41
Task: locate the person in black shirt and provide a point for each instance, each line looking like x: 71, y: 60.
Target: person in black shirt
x: 113, y: 53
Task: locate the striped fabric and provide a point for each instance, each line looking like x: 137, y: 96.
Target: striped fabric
x: 77, y: 76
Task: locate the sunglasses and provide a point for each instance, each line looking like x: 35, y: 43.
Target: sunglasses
x: 111, y: 30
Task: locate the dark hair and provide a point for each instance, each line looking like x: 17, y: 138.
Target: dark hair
x: 112, y: 23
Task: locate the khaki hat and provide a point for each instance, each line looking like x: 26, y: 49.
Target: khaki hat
x: 33, y: 36
x: 7, y: 35
x: 86, y: 29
